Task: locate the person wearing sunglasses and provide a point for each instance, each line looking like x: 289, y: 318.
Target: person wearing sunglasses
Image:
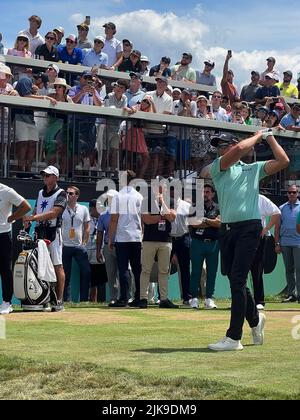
x: 183, y: 71
x: 21, y: 47
x: 127, y: 48
x: 82, y: 41
x: 206, y: 77
x: 237, y: 186
x: 70, y: 53
x: 218, y: 111
x: 76, y: 234
x: 50, y: 205
x: 95, y: 57
x: 48, y: 51
x: 289, y: 243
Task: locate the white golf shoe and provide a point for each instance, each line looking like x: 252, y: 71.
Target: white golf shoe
x: 227, y: 344
x: 258, y: 332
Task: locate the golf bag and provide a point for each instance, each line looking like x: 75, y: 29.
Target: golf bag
x: 33, y: 292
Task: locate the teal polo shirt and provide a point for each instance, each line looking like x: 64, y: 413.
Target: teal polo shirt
x: 238, y: 190
x: 298, y: 219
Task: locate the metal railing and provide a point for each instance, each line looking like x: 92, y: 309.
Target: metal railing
x: 167, y: 138
x: 70, y: 69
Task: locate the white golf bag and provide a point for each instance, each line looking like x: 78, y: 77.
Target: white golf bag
x: 34, y: 286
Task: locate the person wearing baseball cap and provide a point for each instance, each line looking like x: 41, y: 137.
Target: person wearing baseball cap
x: 95, y: 57
x: 237, y: 186
x: 83, y: 42
x: 103, y: 251
x: 248, y: 92
x: 184, y: 71
x: 70, y: 53
x: 127, y: 48
x: 52, y: 72
x: 228, y: 88
x: 60, y: 33
x: 145, y: 71
x: 205, y: 77
x: 50, y: 205
x: 271, y: 62
x: 162, y: 69
x: 135, y: 93
x: 287, y: 88
x: 132, y: 64
x: 270, y: 91
x: 113, y: 47
x: 291, y: 121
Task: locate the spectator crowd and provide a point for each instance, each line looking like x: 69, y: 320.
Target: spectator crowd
x: 110, y: 144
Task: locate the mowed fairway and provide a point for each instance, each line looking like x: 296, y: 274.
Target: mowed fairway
x: 92, y: 352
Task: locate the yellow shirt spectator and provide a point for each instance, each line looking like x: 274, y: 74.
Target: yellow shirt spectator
x: 288, y: 91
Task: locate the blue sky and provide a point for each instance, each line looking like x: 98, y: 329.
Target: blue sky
x: 253, y: 30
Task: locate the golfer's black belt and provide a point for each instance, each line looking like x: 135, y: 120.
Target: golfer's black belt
x: 237, y: 225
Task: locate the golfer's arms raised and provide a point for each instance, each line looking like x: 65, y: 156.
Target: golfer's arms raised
x: 238, y: 151
x: 281, y: 160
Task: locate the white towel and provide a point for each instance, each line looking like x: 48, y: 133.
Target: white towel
x: 45, y: 267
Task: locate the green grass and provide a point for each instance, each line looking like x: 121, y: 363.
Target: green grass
x: 91, y: 352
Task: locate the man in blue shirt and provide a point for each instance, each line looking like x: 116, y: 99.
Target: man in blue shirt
x: 70, y: 54
x: 291, y: 121
x: 135, y: 94
x: 289, y: 244
x: 269, y: 90
x: 237, y: 185
x: 95, y: 57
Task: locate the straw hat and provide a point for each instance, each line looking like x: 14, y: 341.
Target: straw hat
x: 61, y: 82
x: 5, y: 69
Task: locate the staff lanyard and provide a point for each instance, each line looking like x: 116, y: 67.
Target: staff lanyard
x: 72, y: 216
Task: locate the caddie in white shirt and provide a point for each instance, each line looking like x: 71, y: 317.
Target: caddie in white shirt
x: 126, y: 227
x: 8, y: 199
x: 267, y: 209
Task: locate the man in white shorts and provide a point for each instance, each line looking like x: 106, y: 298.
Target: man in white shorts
x: 48, y: 211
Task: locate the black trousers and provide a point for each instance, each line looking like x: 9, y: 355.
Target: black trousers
x: 129, y: 252
x: 5, y: 266
x: 257, y: 271
x: 181, y: 247
x: 239, y: 243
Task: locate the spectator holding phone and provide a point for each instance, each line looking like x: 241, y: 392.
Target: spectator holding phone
x: 228, y: 88
x: 269, y: 91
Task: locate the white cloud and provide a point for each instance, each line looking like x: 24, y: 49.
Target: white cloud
x: 157, y: 34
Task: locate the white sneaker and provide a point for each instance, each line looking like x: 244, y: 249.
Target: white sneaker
x: 227, y: 344
x: 260, y: 307
x: 210, y: 304
x: 6, y: 308
x: 194, y: 303
x: 258, y: 333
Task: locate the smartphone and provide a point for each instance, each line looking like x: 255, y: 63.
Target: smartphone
x: 230, y: 52
x: 88, y: 20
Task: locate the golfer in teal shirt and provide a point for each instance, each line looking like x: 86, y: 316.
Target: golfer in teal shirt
x: 237, y: 185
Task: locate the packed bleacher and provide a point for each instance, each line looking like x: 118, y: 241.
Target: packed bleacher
x: 81, y: 145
